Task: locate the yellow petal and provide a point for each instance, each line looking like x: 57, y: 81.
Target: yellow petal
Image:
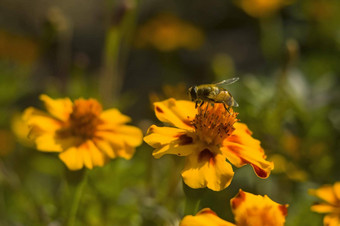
x: 206, y: 217
x: 175, y: 148
x: 254, y: 210
x: 205, y: 169
x: 105, y: 147
x: 113, y: 116
x: 177, y: 113
x: 59, y: 108
x: 337, y: 190
x: 331, y: 220
x: 126, y: 152
x: 326, y: 193
x: 241, y: 149
x: 37, y: 118
x: 159, y: 136
x: 98, y: 158
x: 131, y: 135
x: 323, y: 208
x: 71, y: 158
x: 47, y: 142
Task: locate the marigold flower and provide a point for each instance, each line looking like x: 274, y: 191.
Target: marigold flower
x: 248, y: 209
x: 330, y: 194
x: 206, y: 136
x: 81, y: 132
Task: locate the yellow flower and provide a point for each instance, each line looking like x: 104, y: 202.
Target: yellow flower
x: 253, y: 210
x: 206, y: 137
x: 205, y: 217
x: 81, y: 132
x: 330, y: 194
x: 248, y: 209
x: 166, y: 33
x: 262, y: 8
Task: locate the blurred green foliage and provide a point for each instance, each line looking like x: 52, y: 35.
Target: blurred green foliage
x: 288, y: 64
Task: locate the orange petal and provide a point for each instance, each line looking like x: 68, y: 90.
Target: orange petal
x: 254, y: 210
x: 206, y: 217
x: 113, y: 116
x: 205, y: 169
x: 125, y: 152
x: 71, y: 158
x: 47, y: 142
x: 177, y: 113
x: 241, y: 149
x: 59, y: 108
x: 337, y: 190
x: 97, y: 157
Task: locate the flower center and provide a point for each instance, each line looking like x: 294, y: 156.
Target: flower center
x: 213, y: 123
x: 83, y: 120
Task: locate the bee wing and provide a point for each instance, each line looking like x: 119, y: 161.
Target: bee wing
x: 227, y: 81
x: 235, y: 104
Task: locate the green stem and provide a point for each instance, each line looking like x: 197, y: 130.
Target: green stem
x: 193, y: 199
x: 76, y: 200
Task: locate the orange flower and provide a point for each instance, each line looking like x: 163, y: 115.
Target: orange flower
x: 206, y: 137
x: 262, y: 8
x: 248, y: 209
x: 81, y: 132
x: 166, y: 33
x: 331, y: 195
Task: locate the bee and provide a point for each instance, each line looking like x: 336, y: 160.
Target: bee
x: 213, y: 93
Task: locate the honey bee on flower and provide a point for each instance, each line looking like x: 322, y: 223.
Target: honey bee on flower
x: 213, y: 93
x: 206, y: 138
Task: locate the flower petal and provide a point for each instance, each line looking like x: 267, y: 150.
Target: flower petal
x: 125, y: 152
x: 323, y: 208
x: 44, y: 122
x: 205, y: 217
x: 59, y: 108
x: 159, y: 136
x: 326, y: 193
x: 47, y: 142
x: 98, y: 158
x: 253, y: 210
x: 178, y: 113
x: 205, y: 169
x: 132, y: 135
x: 105, y: 147
x: 241, y: 148
x: 71, y: 158
x: 331, y: 220
x: 114, y: 116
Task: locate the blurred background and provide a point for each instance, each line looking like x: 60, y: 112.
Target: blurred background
x: 130, y: 53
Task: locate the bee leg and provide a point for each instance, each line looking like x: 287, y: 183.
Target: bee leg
x: 202, y: 103
x: 196, y: 102
x: 226, y: 108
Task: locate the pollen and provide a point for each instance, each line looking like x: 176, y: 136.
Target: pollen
x: 214, y: 123
x: 83, y: 120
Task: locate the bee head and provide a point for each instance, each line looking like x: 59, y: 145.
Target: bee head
x: 192, y: 92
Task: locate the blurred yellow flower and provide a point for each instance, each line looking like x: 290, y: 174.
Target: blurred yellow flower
x: 207, y: 137
x: 253, y: 210
x: 330, y: 194
x: 262, y: 8
x: 167, y: 33
x: 20, y: 129
x: 81, y: 132
x: 205, y: 217
x: 248, y: 209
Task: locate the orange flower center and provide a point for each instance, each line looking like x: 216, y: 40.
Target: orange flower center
x: 83, y: 120
x: 213, y: 124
